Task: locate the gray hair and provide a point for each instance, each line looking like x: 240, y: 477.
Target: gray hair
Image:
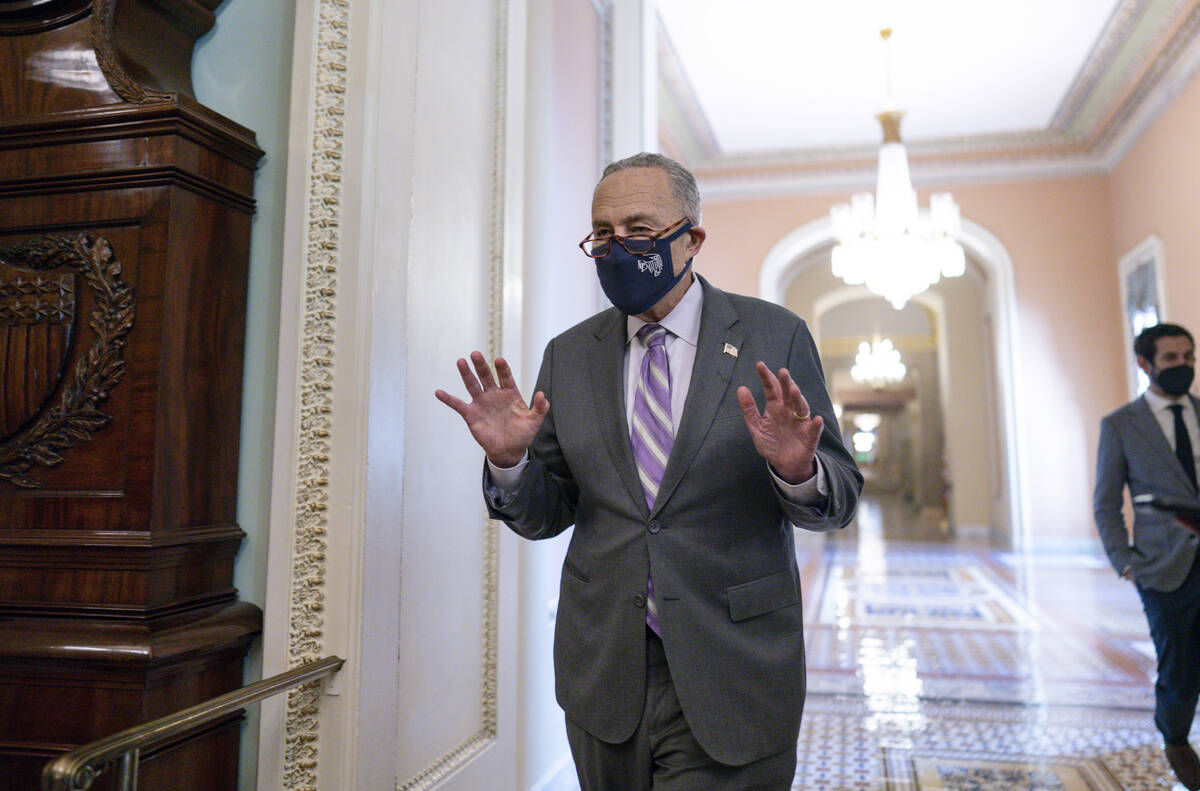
x: 683, y: 183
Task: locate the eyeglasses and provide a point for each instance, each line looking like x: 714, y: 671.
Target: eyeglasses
x: 636, y: 244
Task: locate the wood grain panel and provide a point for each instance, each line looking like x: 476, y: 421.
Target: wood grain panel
x: 117, y: 531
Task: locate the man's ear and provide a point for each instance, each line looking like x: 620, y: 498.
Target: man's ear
x: 1145, y: 365
x: 696, y: 237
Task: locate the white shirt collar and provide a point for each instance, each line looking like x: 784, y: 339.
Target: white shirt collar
x: 684, y: 319
x: 1159, y: 403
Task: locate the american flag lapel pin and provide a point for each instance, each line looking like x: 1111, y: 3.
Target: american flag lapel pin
x: 731, y: 350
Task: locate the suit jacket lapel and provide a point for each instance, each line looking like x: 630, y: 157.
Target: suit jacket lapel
x: 1147, y: 427
x: 607, y: 366
x: 1196, y: 408
x: 711, y: 375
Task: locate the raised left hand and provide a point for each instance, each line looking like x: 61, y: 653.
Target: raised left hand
x: 786, y: 433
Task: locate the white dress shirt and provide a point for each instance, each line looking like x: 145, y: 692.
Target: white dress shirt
x: 1161, y: 407
x: 683, y: 334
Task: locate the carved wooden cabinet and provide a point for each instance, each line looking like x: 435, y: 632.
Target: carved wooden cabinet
x: 125, y: 214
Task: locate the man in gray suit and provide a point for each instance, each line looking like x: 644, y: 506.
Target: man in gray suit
x: 678, y: 650
x: 1150, y: 446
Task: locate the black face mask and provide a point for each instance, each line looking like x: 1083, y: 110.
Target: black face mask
x: 1176, y: 380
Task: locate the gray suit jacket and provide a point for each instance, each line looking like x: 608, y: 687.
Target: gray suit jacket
x: 718, y: 539
x: 1134, y: 452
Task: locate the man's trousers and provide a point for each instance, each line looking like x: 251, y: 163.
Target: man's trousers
x: 1175, y: 627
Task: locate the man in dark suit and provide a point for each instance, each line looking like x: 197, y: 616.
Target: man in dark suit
x: 679, y: 652
x: 1150, y: 446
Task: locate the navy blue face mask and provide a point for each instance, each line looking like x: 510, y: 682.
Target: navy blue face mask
x: 635, y: 283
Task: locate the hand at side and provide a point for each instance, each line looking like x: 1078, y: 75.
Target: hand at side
x: 497, y: 416
x: 786, y: 433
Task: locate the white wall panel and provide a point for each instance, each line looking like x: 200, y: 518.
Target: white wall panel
x: 423, y: 222
x: 380, y: 548
x: 569, y: 140
x: 441, y: 598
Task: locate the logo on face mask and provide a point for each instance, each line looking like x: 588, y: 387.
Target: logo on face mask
x: 652, y: 263
x: 623, y: 275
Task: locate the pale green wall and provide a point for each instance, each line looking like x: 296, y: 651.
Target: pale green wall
x: 242, y: 69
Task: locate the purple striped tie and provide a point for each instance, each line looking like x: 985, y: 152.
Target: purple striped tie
x: 652, y: 434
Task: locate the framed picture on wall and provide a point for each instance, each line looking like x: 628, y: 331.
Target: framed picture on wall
x: 1143, y: 301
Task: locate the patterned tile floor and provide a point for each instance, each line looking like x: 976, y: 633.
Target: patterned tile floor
x: 941, y: 666
x: 936, y: 665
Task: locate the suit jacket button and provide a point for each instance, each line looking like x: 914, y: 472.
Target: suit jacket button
x: 639, y: 601
x: 654, y: 526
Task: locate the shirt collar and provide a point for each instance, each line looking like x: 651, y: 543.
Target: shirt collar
x: 1161, y: 403
x: 683, y: 321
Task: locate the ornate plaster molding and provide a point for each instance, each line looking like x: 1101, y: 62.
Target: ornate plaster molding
x: 1099, y: 61
x: 322, y: 259
x: 604, y: 13
x: 692, y: 131
x: 1157, y: 74
x: 718, y: 186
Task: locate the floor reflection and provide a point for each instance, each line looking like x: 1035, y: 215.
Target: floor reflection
x: 935, y: 664
x: 943, y: 664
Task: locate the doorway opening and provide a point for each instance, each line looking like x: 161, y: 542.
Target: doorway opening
x: 944, y: 437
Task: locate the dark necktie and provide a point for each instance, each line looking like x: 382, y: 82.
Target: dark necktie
x: 1183, y: 444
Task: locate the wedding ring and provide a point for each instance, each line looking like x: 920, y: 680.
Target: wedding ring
x: 799, y: 416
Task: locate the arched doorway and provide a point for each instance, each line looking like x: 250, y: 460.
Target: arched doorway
x: 808, y: 246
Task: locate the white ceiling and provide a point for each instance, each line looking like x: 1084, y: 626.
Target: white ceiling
x: 771, y: 75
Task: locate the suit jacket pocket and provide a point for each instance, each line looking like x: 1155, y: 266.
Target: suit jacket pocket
x: 574, y: 570
x: 1152, y: 537
x: 762, y: 595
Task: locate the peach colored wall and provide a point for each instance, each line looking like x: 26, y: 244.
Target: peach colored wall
x: 1156, y: 189
x: 1068, y: 332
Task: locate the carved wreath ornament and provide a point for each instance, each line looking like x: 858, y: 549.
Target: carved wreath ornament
x: 76, y: 415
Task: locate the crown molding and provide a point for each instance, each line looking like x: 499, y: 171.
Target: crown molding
x: 719, y: 187
x: 1147, y: 54
x: 1099, y: 61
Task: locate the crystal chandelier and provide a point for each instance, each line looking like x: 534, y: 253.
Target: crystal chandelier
x: 877, y: 364
x: 885, y: 241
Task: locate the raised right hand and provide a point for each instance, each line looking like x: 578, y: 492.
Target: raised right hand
x: 497, y: 417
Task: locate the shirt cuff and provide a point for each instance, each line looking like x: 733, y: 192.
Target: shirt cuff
x: 811, y: 491
x: 506, y: 479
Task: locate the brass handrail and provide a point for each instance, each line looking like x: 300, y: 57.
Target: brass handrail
x: 77, y: 769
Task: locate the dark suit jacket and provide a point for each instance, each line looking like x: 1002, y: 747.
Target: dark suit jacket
x: 718, y: 539
x: 1135, y: 452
